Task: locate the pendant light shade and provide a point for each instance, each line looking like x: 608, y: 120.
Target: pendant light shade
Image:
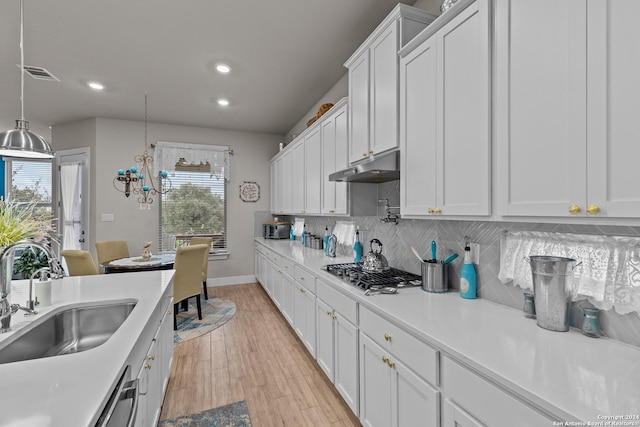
x: 20, y: 142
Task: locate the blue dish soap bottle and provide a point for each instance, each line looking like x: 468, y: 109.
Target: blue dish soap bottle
x: 357, y: 247
x: 292, y: 234
x: 468, y: 276
x: 326, y: 238
x: 303, y: 236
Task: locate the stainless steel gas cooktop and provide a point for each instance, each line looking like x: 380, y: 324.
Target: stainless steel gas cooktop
x: 354, y: 274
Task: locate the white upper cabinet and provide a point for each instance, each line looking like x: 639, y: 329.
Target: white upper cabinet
x: 613, y: 134
x: 335, y: 141
x: 313, y: 171
x: 567, y: 101
x: 297, y: 177
x: 373, y: 82
x: 445, y: 116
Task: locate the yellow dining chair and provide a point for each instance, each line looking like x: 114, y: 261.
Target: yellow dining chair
x: 79, y: 263
x: 108, y: 250
x: 187, y: 278
x: 205, y: 262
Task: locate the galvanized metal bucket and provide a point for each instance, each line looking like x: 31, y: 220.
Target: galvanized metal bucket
x: 552, y: 281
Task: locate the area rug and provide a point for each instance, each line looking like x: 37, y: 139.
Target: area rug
x: 232, y: 415
x: 215, y: 313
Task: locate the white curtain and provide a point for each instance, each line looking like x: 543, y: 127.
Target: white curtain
x: 168, y: 153
x: 70, y: 182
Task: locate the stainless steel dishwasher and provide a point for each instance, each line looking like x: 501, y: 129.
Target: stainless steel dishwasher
x: 122, y: 406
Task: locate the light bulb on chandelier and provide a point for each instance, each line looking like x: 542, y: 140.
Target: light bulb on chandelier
x: 139, y: 179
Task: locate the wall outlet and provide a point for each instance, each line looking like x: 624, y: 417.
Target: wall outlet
x: 106, y: 217
x: 475, y: 253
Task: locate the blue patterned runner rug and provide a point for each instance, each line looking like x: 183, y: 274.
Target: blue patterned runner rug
x: 215, y: 313
x: 232, y: 415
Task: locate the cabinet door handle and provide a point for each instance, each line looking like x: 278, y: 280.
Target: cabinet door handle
x: 385, y: 359
x: 302, y: 278
x: 391, y: 364
x: 574, y: 209
x: 147, y: 366
x: 387, y: 337
x: 331, y: 211
x: 152, y: 357
x: 334, y: 317
x: 593, y: 210
x: 328, y: 312
x: 364, y: 154
x: 370, y: 151
x: 437, y: 210
x: 430, y: 210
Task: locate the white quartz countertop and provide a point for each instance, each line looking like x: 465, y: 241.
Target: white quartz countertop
x: 70, y: 390
x: 568, y: 374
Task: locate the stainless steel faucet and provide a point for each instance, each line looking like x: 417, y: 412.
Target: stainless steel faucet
x: 6, y: 309
x: 388, y: 216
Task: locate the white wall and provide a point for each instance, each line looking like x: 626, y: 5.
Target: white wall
x: 118, y: 141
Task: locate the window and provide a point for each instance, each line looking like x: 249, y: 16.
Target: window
x: 28, y: 181
x: 196, y: 204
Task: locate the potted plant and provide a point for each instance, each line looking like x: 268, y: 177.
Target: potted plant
x: 31, y: 260
x: 20, y: 221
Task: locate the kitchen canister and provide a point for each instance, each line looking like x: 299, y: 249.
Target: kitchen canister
x: 435, y: 276
x: 590, y: 323
x: 552, y: 280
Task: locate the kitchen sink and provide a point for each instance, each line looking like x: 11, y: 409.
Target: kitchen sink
x: 71, y: 330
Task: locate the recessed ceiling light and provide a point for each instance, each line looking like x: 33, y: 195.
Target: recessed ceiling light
x: 223, y: 68
x: 96, y: 85
x: 223, y: 102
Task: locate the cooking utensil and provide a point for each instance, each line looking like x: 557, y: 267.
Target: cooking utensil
x: 415, y: 252
x: 450, y: 258
x: 433, y: 250
x: 374, y: 261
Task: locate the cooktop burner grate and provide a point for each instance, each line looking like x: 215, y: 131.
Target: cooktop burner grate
x: 354, y: 274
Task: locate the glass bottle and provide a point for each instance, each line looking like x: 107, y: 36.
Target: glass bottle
x: 529, y: 308
x: 591, y: 323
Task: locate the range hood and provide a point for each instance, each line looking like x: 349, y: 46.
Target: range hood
x: 378, y: 169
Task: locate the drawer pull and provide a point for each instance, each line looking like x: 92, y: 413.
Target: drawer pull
x: 328, y: 312
x: 334, y: 317
x: 302, y: 278
x: 152, y: 357
x: 385, y: 359
x: 391, y: 364
x: 593, y: 210
x: 574, y: 209
x: 147, y: 366
x: 387, y: 337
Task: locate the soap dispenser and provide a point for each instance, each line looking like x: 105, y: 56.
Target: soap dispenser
x: 357, y: 247
x: 326, y: 238
x: 303, y: 236
x: 468, y: 275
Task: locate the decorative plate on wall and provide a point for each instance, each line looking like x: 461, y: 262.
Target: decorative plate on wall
x: 249, y: 191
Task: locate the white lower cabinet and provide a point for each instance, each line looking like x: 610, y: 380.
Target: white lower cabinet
x: 288, y: 290
x: 305, y: 316
x: 474, y: 400
x: 454, y: 416
x: 153, y: 374
x: 337, y: 336
x: 391, y: 395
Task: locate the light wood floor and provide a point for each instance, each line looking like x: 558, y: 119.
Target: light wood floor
x: 256, y: 357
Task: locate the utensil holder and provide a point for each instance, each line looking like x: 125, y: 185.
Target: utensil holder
x: 435, y: 277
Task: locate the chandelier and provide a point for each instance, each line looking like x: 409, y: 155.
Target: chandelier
x: 139, y: 179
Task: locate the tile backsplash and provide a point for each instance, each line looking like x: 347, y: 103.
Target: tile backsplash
x: 398, y: 238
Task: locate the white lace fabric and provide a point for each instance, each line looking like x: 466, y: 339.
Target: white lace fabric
x: 607, y: 272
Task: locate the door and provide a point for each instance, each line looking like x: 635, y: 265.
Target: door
x: 334, y: 158
x: 384, y: 91
x: 418, y: 115
x: 325, y: 349
x: 297, y: 178
x: 414, y: 402
x: 313, y: 172
x: 359, y: 108
x: 346, y: 361
x: 614, y: 101
x: 73, y: 198
x: 541, y: 96
x: 464, y: 151
x: 375, y: 385
x: 454, y: 416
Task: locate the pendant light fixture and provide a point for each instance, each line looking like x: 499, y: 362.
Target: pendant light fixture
x: 139, y: 179
x: 20, y: 142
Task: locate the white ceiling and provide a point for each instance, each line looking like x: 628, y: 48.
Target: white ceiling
x: 285, y: 54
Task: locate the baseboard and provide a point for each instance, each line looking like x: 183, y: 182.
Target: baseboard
x: 234, y: 280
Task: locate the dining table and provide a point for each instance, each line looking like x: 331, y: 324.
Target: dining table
x: 137, y: 263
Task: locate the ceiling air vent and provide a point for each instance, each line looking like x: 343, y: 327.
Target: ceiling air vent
x: 39, y: 73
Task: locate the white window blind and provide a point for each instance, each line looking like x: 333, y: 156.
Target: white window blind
x: 29, y: 181
x: 196, y: 203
